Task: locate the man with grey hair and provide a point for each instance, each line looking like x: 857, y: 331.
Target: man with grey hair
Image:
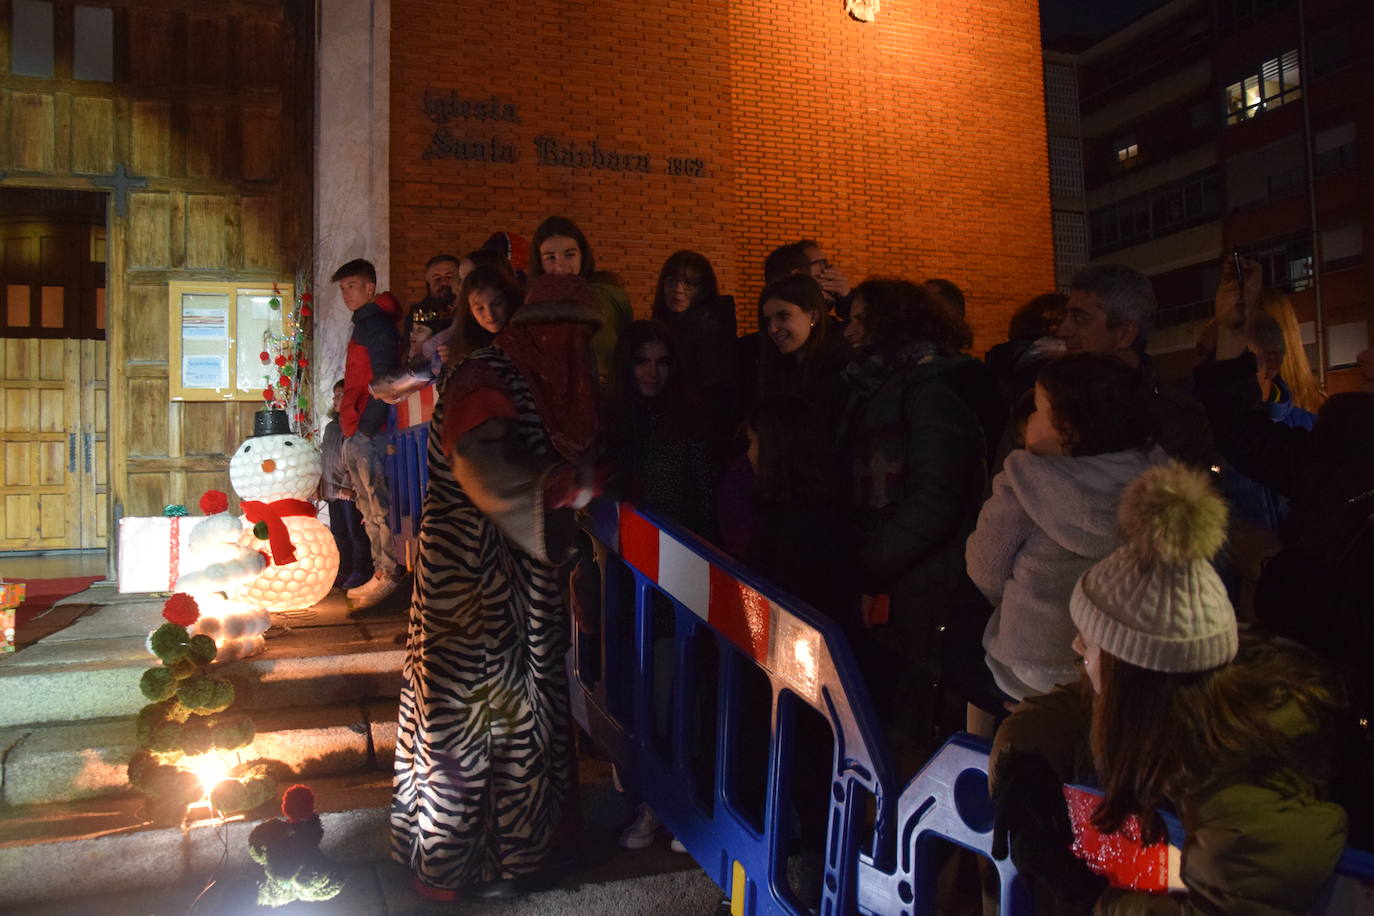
x: 1111, y: 311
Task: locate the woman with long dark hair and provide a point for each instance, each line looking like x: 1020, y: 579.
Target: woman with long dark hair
x: 487, y: 299
x: 916, y: 469
x: 654, y: 430
x: 802, y: 351
x: 1176, y: 708
x: 560, y: 247
x: 688, y: 302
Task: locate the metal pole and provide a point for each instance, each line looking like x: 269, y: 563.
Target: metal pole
x: 1318, y: 319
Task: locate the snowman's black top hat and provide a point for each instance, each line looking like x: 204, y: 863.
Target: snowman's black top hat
x: 270, y: 422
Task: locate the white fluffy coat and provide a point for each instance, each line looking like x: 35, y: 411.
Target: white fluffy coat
x: 1048, y: 520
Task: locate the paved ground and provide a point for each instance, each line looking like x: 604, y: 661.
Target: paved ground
x: 384, y: 890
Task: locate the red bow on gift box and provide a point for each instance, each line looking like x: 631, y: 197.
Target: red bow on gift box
x: 271, y: 514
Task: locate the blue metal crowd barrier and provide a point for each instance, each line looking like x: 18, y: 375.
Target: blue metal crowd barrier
x: 407, y: 473
x: 803, y: 655
x: 882, y: 846
x: 805, y: 658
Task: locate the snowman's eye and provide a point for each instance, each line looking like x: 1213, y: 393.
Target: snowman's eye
x: 247, y: 449
x: 288, y: 442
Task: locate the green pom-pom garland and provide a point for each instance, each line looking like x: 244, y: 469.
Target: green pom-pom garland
x: 158, y: 684
x: 203, y: 694
x: 202, y: 649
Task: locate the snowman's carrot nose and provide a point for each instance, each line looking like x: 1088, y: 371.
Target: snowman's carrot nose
x: 269, y: 466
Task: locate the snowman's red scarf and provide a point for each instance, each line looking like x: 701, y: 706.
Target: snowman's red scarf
x: 272, y: 513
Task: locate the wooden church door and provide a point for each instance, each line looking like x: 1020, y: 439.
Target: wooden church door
x: 53, y: 374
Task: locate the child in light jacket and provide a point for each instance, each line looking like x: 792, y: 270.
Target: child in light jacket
x: 1051, y: 515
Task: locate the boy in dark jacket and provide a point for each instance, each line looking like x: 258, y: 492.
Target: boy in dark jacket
x: 373, y: 350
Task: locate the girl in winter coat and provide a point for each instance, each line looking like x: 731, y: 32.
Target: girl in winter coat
x: 1175, y: 709
x: 559, y: 247
x: 1051, y: 515
x: 655, y: 437
x: 916, y: 470
x: 688, y: 302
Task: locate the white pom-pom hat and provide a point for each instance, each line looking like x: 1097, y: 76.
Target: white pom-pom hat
x: 1156, y: 602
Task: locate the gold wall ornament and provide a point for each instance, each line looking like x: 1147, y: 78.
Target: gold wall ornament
x: 862, y: 10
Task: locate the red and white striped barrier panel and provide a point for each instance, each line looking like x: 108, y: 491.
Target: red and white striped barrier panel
x: 769, y: 634
x: 416, y: 408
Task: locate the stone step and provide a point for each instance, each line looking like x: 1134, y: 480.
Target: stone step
x: 91, y: 669
x: 99, y: 856
x: 77, y: 760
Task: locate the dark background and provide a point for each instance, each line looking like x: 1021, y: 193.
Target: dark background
x: 1089, y: 18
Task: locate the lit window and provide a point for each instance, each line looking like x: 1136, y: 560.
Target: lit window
x: 1126, y: 148
x: 1273, y: 83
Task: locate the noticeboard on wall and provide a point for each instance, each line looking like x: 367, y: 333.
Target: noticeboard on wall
x: 218, y: 330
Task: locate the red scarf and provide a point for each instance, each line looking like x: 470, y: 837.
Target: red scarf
x: 556, y: 361
x: 283, y: 551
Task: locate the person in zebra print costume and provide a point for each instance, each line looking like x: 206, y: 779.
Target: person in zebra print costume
x: 484, y: 766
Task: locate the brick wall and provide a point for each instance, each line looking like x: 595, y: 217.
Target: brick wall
x: 914, y: 145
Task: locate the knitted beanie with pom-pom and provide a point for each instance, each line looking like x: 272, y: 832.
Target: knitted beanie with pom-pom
x: 1156, y: 602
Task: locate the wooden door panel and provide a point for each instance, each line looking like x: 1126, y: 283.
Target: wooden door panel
x: 53, y: 458
x: 32, y: 131
x: 92, y: 135
x: 39, y: 445
x: 150, y: 222
x: 17, y: 526
x: 17, y: 464
x: 52, y: 520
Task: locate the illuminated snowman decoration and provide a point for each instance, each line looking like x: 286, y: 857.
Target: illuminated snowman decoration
x: 275, y: 472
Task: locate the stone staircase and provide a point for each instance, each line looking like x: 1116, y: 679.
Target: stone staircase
x: 323, y: 698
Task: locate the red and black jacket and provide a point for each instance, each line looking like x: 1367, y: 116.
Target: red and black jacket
x: 373, y: 350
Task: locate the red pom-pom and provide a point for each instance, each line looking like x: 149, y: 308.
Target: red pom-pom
x: 306, y: 297
x: 214, y: 502
x: 284, y: 381
x: 181, y: 609
x: 306, y: 311
x: 281, y: 360
x: 298, y: 803
x: 265, y: 356
x: 268, y: 394
x: 303, y: 361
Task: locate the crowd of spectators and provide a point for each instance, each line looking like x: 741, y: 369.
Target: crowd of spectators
x: 1160, y: 588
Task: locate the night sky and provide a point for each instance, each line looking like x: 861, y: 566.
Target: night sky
x: 1089, y: 18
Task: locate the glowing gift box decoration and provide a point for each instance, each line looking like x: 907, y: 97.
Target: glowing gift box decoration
x: 154, y: 551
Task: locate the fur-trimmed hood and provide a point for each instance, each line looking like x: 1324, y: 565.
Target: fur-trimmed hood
x: 1074, y: 500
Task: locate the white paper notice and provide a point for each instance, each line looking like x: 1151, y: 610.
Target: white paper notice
x: 204, y: 372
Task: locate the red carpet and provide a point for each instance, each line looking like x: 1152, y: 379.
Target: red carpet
x: 32, y: 620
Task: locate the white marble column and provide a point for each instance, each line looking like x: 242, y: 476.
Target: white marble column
x: 352, y: 166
